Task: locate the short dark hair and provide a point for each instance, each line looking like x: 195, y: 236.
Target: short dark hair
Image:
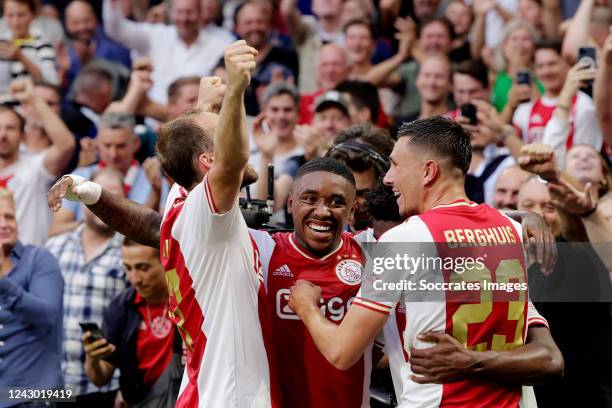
x: 281, y: 88
x: 381, y: 203
x: 554, y: 44
x: 474, y: 69
x: 373, y: 139
x: 442, y: 136
x: 89, y: 78
x: 363, y: 95
x: 441, y: 20
x: 360, y: 22
x: 5, y: 108
x: 44, y: 84
x: 176, y: 85
x: 327, y: 165
x: 30, y: 3
x: 127, y: 242
x: 179, y: 144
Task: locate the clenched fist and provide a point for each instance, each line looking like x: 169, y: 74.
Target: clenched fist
x: 239, y: 62
x: 211, y: 93
x: 539, y: 159
x: 22, y: 89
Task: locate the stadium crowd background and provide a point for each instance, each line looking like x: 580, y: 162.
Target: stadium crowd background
x: 86, y: 85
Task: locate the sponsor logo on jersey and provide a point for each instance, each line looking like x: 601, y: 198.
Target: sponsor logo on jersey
x: 334, y: 308
x: 349, y: 271
x: 283, y: 271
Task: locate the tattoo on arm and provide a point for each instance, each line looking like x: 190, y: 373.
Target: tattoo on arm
x: 131, y: 219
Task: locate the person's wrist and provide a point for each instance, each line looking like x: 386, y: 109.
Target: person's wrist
x: 589, y: 212
x: 550, y: 176
x: 235, y: 89
x: 482, y: 360
x: 505, y: 132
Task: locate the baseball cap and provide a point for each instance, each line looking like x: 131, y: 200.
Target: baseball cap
x: 329, y: 99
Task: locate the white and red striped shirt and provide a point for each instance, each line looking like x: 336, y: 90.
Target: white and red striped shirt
x: 533, y: 117
x: 479, y: 325
x: 217, y: 300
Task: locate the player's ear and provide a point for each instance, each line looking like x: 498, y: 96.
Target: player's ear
x: 431, y: 169
x: 205, y: 160
x: 353, y: 209
x: 290, y: 202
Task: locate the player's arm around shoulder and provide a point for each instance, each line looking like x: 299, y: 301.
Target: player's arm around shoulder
x: 341, y: 345
x: 231, y: 144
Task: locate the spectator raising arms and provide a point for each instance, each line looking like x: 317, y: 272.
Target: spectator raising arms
x: 176, y: 50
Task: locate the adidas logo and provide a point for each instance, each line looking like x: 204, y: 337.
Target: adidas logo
x: 283, y: 271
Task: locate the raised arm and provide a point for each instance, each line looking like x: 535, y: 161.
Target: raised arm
x: 602, y: 90
x: 133, y: 35
x: 551, y: 18
x: 231, y: 152
x: 144, y: 223
x: 383, y: 74
x: 293, y: 19
x: 63, y: 144
x: 478, y: 32
x: 578, y: 32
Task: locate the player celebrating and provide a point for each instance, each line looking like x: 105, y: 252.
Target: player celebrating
x: 321, y: 204
x: 212, y: 268
x: 429, y: 163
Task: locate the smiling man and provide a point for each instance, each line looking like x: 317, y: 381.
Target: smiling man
x: 428, y: 167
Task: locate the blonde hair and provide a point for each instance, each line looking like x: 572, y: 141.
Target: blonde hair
x: 7, y: 194
x: 511, y: 27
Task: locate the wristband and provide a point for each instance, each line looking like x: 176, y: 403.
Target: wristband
x: 83, y: 190
x: 590, y: 212
x: 565, y: 108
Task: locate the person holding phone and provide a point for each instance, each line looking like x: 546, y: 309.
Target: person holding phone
x: 571, y: 111
x: 137, y: 337
x: 91, y: 265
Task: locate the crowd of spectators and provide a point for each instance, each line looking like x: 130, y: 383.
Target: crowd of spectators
x: 85, y: 86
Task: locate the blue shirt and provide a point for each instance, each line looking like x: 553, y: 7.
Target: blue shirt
x: 105, y: 48
x: 31, y: 313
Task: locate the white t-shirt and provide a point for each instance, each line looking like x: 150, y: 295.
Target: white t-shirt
x: 171, y: 57
x: 532, y: 124
x: 29, y: 181
x: 216, y: 289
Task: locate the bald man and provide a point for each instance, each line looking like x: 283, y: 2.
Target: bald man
x: 88, y: 40
x: 332, y: 68
x: 507, y: 188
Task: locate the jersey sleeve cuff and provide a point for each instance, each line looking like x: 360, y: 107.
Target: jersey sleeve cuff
x: 371, y: 305
x: 537, y: 321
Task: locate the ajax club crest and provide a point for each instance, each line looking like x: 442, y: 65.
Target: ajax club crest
x: 349, y: 271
